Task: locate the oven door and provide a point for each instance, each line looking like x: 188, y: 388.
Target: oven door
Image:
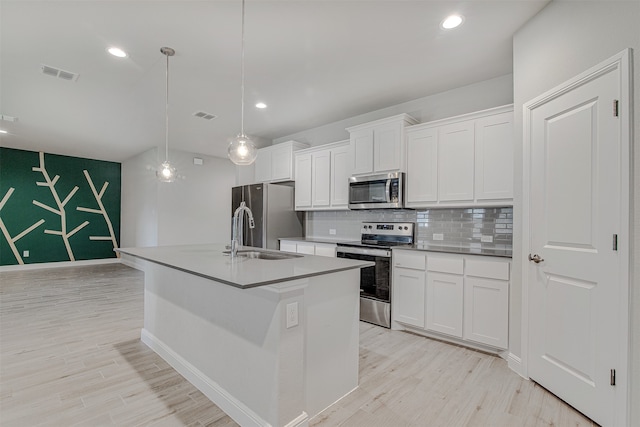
x: 375, y: 283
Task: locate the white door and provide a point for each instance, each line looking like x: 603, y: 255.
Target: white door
x: 574, y: 287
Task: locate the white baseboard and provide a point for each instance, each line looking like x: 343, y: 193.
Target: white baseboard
x: 515, y: 364
x: 40, y: 265
x: 238, y: 411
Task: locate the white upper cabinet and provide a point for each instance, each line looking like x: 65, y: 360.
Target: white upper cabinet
x: 462, y: 161
x: 494, y: 157
x: 322, y: 177
x: 303, y: 180
x: 455, y: 162
x: 275, y: 163
x: 379, y: 146
x: 340, y: 174
x: 422, y: 162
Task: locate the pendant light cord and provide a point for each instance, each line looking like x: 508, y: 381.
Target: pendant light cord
x: 166, y: 113
x: 242, y: 77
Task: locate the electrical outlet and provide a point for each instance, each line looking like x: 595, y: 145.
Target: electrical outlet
x: 438, y: 236
x: 332, y: 231
x: 486, y: 239
x: 25, y: 254
x: 292, y: 315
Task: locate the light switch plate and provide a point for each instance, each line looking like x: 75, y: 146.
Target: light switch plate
x: 438, y: 236
x: 332, y: 231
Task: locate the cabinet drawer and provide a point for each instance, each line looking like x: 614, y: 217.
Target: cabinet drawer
x: 409, y: 259
x: 445, y: 264
x: 489, y: 269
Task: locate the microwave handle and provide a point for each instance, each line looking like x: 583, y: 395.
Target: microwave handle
x: 387, y: 191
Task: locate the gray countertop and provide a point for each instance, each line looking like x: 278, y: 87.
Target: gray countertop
x: 210, y: 262
x: 461, y: 249
x: 316, y: 240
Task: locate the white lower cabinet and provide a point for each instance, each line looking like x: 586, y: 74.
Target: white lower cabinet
x: 486, y: 302
x: 444, y: 303
x: 465, y: 297
x: 308, y: 248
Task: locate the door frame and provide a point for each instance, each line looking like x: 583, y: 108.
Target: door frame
x: 622, y: 62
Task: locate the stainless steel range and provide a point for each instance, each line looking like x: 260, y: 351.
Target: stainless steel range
x: 375, y: 244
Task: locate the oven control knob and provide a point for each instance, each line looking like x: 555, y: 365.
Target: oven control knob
x: 406, y: 228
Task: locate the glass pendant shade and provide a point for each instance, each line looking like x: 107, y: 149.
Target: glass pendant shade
x: 242, y: 151
x: 166, y: 172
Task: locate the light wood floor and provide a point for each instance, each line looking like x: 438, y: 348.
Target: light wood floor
x: 70, y: 354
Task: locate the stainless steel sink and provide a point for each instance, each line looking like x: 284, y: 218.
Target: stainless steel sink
x: 253, y: 254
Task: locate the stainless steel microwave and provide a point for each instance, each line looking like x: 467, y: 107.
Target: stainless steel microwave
x: 383, y: 191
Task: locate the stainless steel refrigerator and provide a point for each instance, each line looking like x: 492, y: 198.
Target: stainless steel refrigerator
x: 273, y: 211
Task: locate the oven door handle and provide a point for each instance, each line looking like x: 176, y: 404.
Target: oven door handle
x: 365, y: 251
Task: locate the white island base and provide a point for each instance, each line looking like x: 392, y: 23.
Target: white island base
x: 234, y: 345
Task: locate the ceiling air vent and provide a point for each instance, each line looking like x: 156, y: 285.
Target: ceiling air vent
x: 61, y: 74
x: 203, y: 115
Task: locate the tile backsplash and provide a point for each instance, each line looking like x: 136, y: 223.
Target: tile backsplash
x: 474, y: 227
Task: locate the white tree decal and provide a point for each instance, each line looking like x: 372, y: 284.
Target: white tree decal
x: 102, y: 211
x: 60, y: 211
x: 12, y: 240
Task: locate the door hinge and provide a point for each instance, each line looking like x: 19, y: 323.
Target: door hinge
x: 613, y: 377
x: 615, y: 242
x: 615, y: 108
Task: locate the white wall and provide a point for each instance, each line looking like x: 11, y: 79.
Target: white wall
x: 139, y: 211
x: 194, y: 209
x: 466, y: 99
x: 563, y: 40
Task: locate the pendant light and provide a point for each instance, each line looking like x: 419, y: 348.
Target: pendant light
x: 241, y: 150
x: 166, y: 172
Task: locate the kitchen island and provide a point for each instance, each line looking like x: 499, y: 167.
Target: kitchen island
x: 270, y: 341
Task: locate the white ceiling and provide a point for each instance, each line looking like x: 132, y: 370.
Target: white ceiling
x: 312, y: 62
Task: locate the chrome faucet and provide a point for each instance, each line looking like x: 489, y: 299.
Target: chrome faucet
x: 237, y: 236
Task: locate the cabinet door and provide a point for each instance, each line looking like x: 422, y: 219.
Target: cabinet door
x: 320, y: 179
x: 361, y: 143
x: 444, y: 303
x: 422, y: 166
x: 455, y: 162
x: 322, y: 249
x: 288, y: 246
x: 303, y: 182
x: 263, y: 165
x: 486, y: 311
x: 494, y: 157
x: 281, y: 163
x: 408, y: 296
x: 306, y: 248
x: 340, y: 174
x: 387, y: 148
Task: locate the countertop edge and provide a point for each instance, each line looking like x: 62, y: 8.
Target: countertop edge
x: 454, y: 251
x: 249, y: 285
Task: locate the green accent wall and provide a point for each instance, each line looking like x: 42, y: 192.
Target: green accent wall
x: 57, y: 219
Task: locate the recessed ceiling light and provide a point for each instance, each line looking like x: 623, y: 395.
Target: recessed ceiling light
x: 3, y: 131
x: 116, y: 51
x: 261, y: 105
x: 452, y: 22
